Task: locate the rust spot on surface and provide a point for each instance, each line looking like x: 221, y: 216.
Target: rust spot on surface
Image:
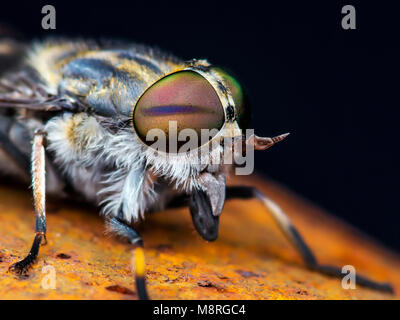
x: 302, y: 292
x: 120, y: 289
x: 247, y: 274
x: 205, y: 283
x: 209, y: 284
x: 221, y: 276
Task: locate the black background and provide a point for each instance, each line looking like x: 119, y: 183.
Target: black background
x: 335, y: 90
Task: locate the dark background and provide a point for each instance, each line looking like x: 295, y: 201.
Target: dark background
x: 335, y: 90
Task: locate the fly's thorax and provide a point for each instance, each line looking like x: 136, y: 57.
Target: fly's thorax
x: 107, y: 79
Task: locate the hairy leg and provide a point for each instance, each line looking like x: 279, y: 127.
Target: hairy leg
x: 39, y: 185
x: 119, y: 227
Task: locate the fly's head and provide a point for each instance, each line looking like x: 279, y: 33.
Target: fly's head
x: 190, y: 122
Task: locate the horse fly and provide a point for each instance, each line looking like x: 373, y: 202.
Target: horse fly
x: 87, y: 114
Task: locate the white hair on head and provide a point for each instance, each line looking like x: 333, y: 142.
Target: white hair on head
x: 111, y: 169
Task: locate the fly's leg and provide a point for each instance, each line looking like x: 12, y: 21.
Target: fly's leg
x: 38, y: 184
x: 121, y: 228
x: 279, y: 216
x: 284, y: 223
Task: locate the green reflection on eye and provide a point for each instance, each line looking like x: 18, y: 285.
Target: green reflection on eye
x: 236, y: 89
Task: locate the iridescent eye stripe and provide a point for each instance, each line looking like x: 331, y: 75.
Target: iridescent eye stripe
x: 171, y: 110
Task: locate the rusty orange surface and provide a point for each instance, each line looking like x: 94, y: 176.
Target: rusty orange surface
x: 251, y: 259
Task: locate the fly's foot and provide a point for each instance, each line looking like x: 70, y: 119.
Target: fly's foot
x: 21, y: 267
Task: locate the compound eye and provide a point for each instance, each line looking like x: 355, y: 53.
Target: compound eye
x: 237, y: 93
x: 185, y: 97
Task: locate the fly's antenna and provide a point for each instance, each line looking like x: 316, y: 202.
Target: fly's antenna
x: 263, y: 143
